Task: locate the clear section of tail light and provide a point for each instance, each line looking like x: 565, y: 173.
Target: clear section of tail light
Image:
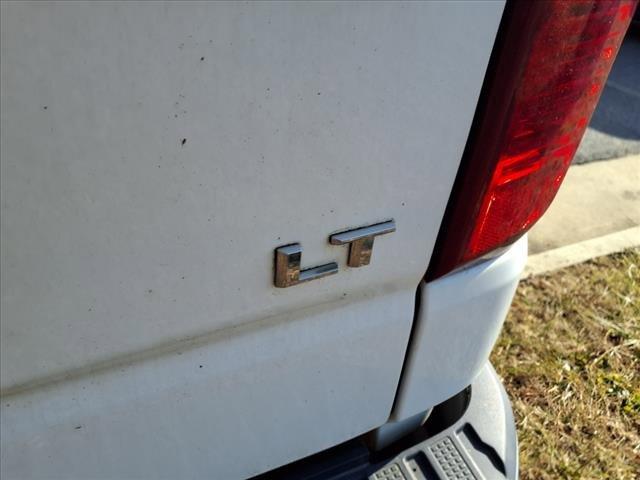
x: 548, y: 69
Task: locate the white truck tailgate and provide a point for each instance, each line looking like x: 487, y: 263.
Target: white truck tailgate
x: 153, y: 156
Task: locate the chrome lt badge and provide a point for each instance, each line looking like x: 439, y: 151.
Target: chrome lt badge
x: 288, y: 271
x: 360, y: 241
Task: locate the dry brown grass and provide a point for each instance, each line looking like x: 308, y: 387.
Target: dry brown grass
x: 570, y: 358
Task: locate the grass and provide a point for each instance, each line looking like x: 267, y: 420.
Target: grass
x: 569, y: 355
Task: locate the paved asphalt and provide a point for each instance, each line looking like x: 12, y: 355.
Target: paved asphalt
x: 614, y: 130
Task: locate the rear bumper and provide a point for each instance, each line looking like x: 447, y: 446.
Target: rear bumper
x: 481, y: 443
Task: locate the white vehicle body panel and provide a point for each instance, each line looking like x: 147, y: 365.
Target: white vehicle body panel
x: 458, y: 323
x: 130, y: 257
x: 272, y: 393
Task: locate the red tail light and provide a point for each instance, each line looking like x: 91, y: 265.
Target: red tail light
x: 547, y: 70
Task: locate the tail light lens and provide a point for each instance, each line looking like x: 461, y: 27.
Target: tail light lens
x: 548, y: 68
